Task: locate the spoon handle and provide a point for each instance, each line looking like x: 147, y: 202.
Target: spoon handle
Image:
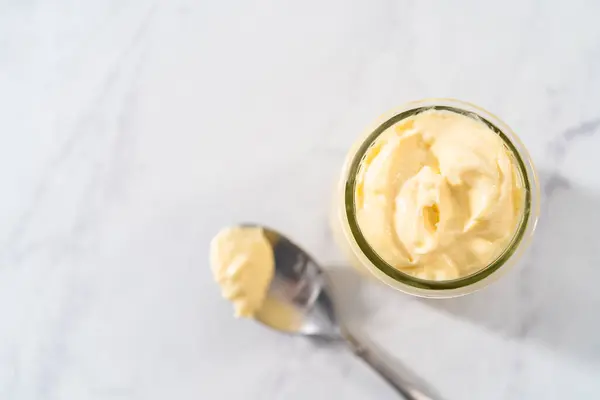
x: 401, y: 384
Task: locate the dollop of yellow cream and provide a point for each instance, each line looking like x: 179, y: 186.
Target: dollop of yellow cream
x: 438, y: 195
x: 243, y: 265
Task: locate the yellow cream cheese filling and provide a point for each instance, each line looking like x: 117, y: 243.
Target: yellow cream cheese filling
x: 243, y: 265
x: 438, y: 195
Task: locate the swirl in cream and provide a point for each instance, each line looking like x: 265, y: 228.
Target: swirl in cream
x: 438, y: 195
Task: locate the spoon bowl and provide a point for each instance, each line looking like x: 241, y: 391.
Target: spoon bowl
x: 299, y: 300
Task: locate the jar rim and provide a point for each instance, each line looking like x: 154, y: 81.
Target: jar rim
x: 525, y: 170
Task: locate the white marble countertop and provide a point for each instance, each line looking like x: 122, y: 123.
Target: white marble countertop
x: 131, y: 131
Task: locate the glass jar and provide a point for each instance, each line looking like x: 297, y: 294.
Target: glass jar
x: 350, y: 238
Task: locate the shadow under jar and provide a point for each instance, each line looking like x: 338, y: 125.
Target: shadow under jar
x: 352, y: 240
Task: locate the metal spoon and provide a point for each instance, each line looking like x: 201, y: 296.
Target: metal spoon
x: 299, y: 302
